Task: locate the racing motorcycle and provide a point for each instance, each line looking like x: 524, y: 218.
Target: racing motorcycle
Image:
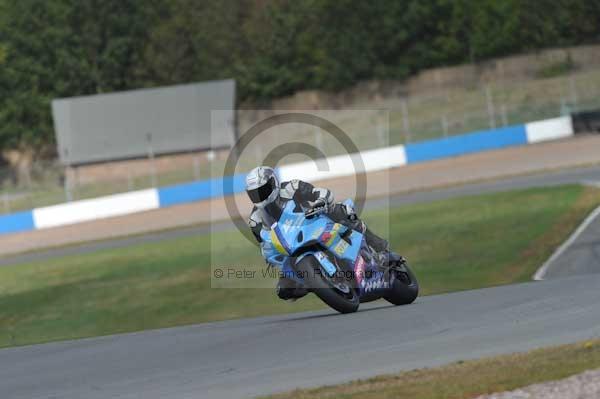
x: 334, y: 261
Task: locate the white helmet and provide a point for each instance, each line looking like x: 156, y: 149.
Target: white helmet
x: 262, y: 186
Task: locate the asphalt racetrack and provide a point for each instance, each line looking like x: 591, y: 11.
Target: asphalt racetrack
x: 580, y: 254
x: 244, y: 358
x: 249, y: 357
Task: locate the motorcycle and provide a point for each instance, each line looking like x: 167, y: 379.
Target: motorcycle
x: 334, y: 261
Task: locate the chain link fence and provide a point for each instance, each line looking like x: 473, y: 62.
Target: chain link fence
x: 430, y: 115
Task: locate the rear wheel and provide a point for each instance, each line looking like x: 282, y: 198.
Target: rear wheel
x: 338, y: 292
x: 405, y: 287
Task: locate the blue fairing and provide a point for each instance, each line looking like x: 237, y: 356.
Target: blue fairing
x: 294, y: 236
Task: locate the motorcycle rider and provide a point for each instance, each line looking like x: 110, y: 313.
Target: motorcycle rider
x: 270, y: 197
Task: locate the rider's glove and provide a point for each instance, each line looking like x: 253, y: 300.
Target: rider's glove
x: 318, y: 208
x: 350, y: 212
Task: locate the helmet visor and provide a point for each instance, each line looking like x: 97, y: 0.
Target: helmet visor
x: 262, y: 193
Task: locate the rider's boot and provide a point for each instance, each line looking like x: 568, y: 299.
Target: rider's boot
x: 395, y: 259
x: 288, y: 289
x: 382, y: 248
x: 376, y: 242
x: 346, y: 215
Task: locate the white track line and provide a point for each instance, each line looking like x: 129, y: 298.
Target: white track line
x: 539, y: 274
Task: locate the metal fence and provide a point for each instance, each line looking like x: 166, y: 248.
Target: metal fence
x: 407, y: 119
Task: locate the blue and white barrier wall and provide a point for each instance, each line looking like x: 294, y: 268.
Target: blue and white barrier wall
x: 342, y: 165
x: 16, y: 222
x: 338, y: 166
x: 97, y: 208
x: 549, y: 129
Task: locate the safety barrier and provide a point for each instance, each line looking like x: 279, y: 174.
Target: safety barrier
x: 466, y: 144
x: 201, y: 190
x: 338, y: 166
x: 16, y: 222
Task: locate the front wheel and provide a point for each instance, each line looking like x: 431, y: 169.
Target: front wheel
x: 405, y: 287
x: 339, y: 294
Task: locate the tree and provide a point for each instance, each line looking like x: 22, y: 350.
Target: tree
x: 64, y: 48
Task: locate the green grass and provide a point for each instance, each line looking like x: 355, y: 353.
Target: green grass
x: 465, y: 380
x: 452, y: 245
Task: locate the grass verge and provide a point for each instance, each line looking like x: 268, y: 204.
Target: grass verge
x: 455, y: 244
x: 467, y: 379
